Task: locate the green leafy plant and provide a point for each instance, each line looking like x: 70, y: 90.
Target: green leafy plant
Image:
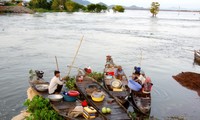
x: 132, y: 115
x: 97, y: 76
x: 41, y: 109
x: 32, y: 74
x: 70, y: 83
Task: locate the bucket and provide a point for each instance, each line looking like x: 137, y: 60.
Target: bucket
x: 68, y: 98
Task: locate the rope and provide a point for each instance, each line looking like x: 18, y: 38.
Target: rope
x: 70, y: 68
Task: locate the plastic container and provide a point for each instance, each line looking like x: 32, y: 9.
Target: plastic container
x: 68, y: 98
x: 111, y: 73
x: 134, y: 85
x: 73, y: 93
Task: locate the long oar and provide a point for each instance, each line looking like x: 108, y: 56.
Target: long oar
x: 56, y: 63
x: 75, y: 56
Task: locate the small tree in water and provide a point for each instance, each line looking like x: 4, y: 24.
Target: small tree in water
x: 154, y: 8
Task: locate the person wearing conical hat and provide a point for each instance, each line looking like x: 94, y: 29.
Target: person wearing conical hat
x: 109, y: 61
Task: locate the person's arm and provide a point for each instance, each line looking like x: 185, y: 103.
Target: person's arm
x: 59, y: 81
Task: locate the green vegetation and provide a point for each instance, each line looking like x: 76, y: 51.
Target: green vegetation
x: 96, y: 8
x: 154, y: 8
x: 97, y: 76
x: 73, y: 6
x: 132, y: 115
x: 118, y: 8
x: 64, y: 5
x: 70, y: 84
x: 9, y: 4
x: 33, y: 4
x: 41, y: 109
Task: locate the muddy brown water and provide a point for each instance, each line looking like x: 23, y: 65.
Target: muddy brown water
x: 30, y: 41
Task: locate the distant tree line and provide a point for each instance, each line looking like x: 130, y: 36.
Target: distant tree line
x: 66, y: 5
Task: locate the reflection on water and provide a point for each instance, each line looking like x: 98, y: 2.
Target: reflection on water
x: 32, y: 41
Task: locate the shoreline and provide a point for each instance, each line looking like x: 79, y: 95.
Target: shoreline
x: 26, y: 10
x: 15, y: 9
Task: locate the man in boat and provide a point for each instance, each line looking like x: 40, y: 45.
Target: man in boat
x: 119, y: 73
x: 109, y: 61
x: 56, y: 84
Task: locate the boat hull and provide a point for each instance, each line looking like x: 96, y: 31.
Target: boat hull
x: 118, y: 111
x: 197, y: 56
x: 107, y: 84
x: 141, y: 101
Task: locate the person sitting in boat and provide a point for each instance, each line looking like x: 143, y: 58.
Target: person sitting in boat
x: 56, y: 84
x: 138, y: 77
x: 146, y: 88
x: 109, y: 61
x: 119, y: 73
x: 137, y: 70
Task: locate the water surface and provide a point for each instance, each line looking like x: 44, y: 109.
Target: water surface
x: 32, y: 41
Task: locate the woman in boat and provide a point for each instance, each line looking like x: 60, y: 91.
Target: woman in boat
x: 119, y: 73
x: 109, y: 61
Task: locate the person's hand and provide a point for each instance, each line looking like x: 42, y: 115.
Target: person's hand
x: 65, y: 78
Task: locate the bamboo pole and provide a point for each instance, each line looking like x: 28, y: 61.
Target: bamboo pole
x: 75, y: 56
x: 56, y: 63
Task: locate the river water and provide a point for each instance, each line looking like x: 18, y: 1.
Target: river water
x: 30, y: 41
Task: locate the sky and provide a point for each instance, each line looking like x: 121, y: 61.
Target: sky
x: 186, y: 4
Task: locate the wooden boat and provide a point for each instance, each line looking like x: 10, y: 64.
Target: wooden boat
x: 118, y: 110
x: 197, y: 55
x: 141, y: 101
x: 120, y: 92
x: 62, y: 107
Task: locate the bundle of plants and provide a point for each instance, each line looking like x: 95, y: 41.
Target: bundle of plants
x: 97, y: 76
x: 40, y: 109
